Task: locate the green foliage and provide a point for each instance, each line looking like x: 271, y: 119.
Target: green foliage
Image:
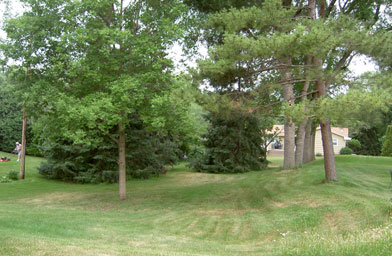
x: 147, y: 153
x: 346, y: 151
x: 13, y: 175
x: 370, y: 141
x: 141, y: 174
x: 216, y: 6
x: 387, y: 146
x: 355, y: 145
x: 232, y: 145
x: 10, y: 117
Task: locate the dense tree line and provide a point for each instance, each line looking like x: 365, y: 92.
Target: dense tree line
x: 99, y: 88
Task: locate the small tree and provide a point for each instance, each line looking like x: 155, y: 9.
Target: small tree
x: 233, y: 142
x: 387, y: 146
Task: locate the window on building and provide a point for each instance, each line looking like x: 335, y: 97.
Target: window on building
x: 277, y: 145
x: 335, y: 142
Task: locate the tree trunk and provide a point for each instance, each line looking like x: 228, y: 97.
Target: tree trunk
x: 313, y: 154
x: 23, y: 153
x: 309, y: 142
x: 300, y: 144
x: 300, y: 141
x: 326, y: 134
x: 121, y: 162
x: 289, y: 145
x: 329, y: 155
x: 289, y: 127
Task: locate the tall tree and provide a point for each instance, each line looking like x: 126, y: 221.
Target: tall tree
x: 97, y: 64
x: 274, y: 44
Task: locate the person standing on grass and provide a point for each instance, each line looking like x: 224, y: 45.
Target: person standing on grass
x: 18, y: 150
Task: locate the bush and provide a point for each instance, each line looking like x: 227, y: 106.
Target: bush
x: 4, y: 179
x: 346, y: 151
x: 355, y: 145
x: 147, y: 153
x: 141, y: 174
x: 13, y: 175
x: 387, y: 146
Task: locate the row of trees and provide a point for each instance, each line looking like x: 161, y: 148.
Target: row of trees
x: 300, y: 51
x: 95, y: 78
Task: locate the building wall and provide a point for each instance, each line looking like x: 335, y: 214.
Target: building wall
x: 318, y: 147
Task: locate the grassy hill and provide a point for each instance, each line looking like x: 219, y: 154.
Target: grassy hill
x: 271, y: 212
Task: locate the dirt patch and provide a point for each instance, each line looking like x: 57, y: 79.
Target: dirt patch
x: 53, y: 198
x: 195, y: 178
x: 287, y: 171
x: 280, y: 204
x: 285, y: 204
x: 339, y: 221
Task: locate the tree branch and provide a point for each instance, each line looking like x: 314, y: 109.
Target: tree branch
x: 329, y: 9
x: 343, y: 60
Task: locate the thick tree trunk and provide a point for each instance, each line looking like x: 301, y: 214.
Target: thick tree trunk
x: 289, y: 145
x: 300, y: 144
x: 23, y: 153
x: 326, y: 134
x: 121, y: 162
x: 329, y: 155
x: 309, y: 142
x: 300, y: 140
x: 289, y: 127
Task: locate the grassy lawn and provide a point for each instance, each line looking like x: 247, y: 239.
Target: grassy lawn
x: 271, y: 212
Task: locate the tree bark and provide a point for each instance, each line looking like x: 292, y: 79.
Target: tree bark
x: 300, y: 144
x: 309, y: 142
x: 329, y: 155
x: 23, y: 152
x: 121, y: 162
x: 289, y: 127
x: 326, y: 134
x: 300, y: 140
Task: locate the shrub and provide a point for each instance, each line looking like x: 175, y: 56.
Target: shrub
x: 354, y: 144
x: 4, y: 179
x: 346, y: 151
x: 147, y: 151
x: 141, y: 174
x: 319, y: 154
x: 13, y: 175
x: 387, y: 146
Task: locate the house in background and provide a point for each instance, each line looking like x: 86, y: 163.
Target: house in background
x: 339, y: 138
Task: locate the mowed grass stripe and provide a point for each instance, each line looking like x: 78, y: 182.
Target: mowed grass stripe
x: 271, y: 212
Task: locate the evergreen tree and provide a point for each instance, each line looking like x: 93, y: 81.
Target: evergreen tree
x: 387, y: 146
x: 233, y: 143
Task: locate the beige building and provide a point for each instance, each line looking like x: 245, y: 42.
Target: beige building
x: 339, y: 139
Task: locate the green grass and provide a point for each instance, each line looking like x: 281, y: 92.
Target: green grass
x: 271, y: 212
